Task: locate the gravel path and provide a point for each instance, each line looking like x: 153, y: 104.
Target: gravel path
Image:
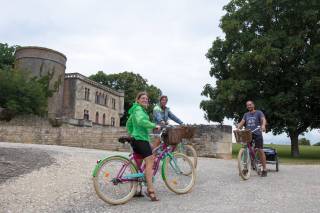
x: 66, y: 186
x: 19, y: 161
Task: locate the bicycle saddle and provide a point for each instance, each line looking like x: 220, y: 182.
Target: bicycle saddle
x: 124, y: 139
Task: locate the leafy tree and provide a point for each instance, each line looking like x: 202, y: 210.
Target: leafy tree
x: 131, y: 84
x: 271, y: 55
x: 304, y: 141
x: 20, y: 94
x: 7, y: 55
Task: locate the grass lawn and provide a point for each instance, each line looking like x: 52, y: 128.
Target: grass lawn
x: 308, y: 154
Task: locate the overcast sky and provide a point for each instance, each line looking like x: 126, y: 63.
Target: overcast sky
x: 164, y: 41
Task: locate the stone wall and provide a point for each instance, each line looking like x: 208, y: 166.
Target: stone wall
x: 87, y: 137
x: 209, y: 140
x: 213, y: 141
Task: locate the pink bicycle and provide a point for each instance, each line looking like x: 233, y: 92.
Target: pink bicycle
x: 248, y: 157
x: 117, y: 178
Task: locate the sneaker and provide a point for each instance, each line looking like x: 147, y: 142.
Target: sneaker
x: 264, y: 173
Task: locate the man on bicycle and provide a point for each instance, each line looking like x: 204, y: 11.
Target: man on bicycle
x: 251, y: 120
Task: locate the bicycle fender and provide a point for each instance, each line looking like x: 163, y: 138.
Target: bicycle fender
x: 168, y: 155
x: 100, y: 162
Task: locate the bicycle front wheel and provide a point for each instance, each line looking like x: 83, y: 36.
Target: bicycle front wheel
x: 108, y: 182
x: 257, y: 163
x: 189, y: 151
x: 178, y: 173
x: 244, y: 164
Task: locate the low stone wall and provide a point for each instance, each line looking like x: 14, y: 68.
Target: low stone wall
x: 213, y: 141
x: 87, y: 137
x: 209, y: 140
x: 26, y: 120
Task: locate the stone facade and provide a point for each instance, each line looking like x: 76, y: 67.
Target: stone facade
x: 87, y: 99
x: 209, y: 141
x: 77, y: 100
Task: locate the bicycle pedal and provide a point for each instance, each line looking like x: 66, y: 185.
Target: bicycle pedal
x: 139, y: 195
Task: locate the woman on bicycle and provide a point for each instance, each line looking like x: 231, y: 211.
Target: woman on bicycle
x: 139, y: 126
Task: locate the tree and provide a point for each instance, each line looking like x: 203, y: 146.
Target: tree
x: 271, y: 55
x: 131, y: 84
x: 20, y: 94
x: 304, y: 142
x: 7, y: 55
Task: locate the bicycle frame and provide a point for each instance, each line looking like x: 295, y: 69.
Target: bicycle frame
x: 249, y: 146
x: 251, y: 149
x: 166, y: 151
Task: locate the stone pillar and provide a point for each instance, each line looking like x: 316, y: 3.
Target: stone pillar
x: 213, y: 141
x: 39, y: 62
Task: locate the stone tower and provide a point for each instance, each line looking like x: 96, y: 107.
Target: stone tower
x: 39, y: 62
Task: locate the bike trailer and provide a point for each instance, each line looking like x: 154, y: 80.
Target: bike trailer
x: 271, y: 153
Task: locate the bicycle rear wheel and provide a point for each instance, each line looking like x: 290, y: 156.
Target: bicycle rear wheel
x: 178, y: 173
x: 244, y: 164
x: 189, y: 151
x: 108, y: 184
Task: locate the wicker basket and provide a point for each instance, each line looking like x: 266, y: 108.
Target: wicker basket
x: 243, y: 136
x: 174, y: 135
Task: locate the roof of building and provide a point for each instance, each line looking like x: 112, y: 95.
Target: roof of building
x: 96, y: 84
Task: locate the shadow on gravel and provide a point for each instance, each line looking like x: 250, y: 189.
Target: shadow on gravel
x: 18, y: 161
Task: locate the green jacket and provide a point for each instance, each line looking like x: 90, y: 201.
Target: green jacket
x: 139, y: 124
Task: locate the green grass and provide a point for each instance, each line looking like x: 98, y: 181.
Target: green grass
x: 308, y: 154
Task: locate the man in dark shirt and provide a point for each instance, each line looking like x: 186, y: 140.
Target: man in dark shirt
x: 252, y: 120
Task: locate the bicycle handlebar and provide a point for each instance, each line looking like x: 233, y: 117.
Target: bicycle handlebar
x: 258, y: 128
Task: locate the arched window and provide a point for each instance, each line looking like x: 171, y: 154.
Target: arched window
x: 100, y: 98
x: 97, y: 98
x: 104, y: 119
x: 97, y: 117
x: 86, y: 93
x: 113, y: 102
x: 106, y: 100
x: 113, y: 122
x: 86, y: 114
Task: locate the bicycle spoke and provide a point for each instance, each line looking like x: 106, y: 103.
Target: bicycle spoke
x: 108, y: 183
x: 179, y: 173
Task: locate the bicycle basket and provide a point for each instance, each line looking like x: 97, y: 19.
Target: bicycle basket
x: 174, y: 135
x: 243, y: 136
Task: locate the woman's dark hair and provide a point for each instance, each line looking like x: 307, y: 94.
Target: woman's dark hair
x: 141, y: 94
x: 163, y: 96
